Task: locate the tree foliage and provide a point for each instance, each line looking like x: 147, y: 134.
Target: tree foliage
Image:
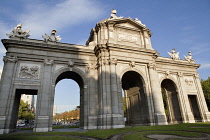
x: 67, y: 116
x: 24, y: 112
x: 206, y: 90
x: 124, y: 106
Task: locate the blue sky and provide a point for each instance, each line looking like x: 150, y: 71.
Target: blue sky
x: 180, y: 24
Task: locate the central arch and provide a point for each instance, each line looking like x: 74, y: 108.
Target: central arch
x: 136, y: 100
x: 80, y: 81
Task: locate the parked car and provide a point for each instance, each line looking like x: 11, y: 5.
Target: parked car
x: 21, y: 124
x: 76, y: 124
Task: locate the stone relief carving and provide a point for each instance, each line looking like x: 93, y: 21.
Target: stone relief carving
x: 18, y: 32
x: 10, y: 59
x: 174, y: 55
x: 189, y: 58
x: 127, y: 37
x: 189, y: 82
x: 52, y: 37
x: 29, y: 72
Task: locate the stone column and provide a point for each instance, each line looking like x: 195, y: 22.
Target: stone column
x: 160, y: 117
x: 116, y: 116
x: 7, y: 94
x: 92, y: 96
x: 205, y: 114
x: 186, y: 110
x: 43, y: 122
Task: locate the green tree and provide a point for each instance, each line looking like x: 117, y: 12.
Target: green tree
x: 124, y: 106
x: 206, y: 90
x: 24, y: 112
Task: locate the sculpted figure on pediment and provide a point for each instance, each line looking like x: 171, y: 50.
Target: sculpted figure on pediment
x: 113, y: 14
x: 18, y: 32
x: 189, y: 58
x: 174, y: 55
x: 52, y: 37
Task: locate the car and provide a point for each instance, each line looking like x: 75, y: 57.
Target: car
x: 21, y: 124
x: 76, y: 124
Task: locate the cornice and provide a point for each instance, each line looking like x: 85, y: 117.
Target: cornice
x: 41, y: 45
x: 169, y: 61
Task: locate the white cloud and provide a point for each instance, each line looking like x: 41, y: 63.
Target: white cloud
x: 205, y: 66
x: 200, y: 48
x: 42, y: 18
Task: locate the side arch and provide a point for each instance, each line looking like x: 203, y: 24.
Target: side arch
x: 171, y: 100
x: 144, y: 79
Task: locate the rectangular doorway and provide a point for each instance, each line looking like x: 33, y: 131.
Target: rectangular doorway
x: 194, y: 107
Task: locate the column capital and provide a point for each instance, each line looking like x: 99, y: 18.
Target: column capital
x: 48, y: 61
x: 113, y: 61
x: 105, y: 61
x: 196, y: 75
x: 10, y: 59
x: 152, y: 65
x: 92, y: 66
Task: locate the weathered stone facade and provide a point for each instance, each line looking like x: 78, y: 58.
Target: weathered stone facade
x: 118, y: 55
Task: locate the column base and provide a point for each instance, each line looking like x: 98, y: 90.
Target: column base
x: 207, y: 116
x: 6, y: 131
x: 160, y: 119
x: 191, y: 118
x: 41, y: 129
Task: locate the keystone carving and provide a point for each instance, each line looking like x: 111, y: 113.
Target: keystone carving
x: 29, y: 72
x: 18, y: 32
x: 167, y: 73
x: 71, y: 63
x: 132, y: 64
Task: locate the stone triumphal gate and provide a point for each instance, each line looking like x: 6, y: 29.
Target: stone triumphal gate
x: 118, y: 55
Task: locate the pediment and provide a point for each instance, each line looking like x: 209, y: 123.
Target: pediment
x: 129, y: 23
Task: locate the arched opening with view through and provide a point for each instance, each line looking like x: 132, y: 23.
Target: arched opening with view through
x: 67, y: 113
x: 135, y: 99
x: 171, y: 101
